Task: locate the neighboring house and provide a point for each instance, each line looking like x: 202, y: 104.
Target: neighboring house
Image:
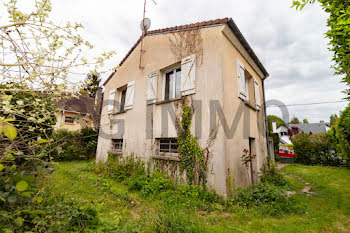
x: 208, y: 64
x: 282, y: 132
x: 76, y: 113
x: 313, y: 128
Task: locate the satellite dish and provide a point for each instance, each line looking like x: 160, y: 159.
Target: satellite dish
x: 145, y: 24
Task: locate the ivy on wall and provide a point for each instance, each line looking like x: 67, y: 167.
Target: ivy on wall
x: 192, y: 159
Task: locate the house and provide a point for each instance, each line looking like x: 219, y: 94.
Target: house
x: 312, y: 128
x: 282, y: 132
x: 210, y: 65
x: 75, y: 113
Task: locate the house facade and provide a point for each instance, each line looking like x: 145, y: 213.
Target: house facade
x: 208, y: 65
x: 76, y: 113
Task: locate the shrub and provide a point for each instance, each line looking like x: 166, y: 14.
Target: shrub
x: 74, y: 145
x: 40, y: 216
x: 271, y: 174
x: 316, y: 149
x: 343, y: 133
x: 269, y: 198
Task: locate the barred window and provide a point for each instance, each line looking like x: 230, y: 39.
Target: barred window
x: 168, y: 145
x: 117, y: 145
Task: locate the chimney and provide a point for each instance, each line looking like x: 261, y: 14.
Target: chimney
x: 98, y: 101
x: 274, y: 127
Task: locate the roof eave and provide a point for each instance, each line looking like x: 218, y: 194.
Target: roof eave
x: 245, y: 44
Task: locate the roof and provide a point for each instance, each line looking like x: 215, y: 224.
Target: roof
x: 193, y: 26
x: 314, y: 128
x: 80, y: 104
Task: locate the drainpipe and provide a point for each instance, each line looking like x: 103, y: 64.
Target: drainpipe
x: 267, y: 123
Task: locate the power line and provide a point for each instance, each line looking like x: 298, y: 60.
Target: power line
x: 307, y: 104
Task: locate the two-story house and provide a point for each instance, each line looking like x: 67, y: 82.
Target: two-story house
x: 208, y: 63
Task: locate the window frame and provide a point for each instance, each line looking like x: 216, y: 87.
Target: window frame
x: 169, y: 151
x: 68, y: 122
x: 118, y: 141
x: 173, y: 70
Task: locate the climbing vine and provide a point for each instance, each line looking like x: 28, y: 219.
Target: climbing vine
x: 192, y: 159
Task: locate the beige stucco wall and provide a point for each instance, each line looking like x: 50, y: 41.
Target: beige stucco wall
x: 215, y: 80
x: 80, y: 121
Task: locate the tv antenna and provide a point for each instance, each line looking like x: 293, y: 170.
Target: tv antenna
x: 145, y: 25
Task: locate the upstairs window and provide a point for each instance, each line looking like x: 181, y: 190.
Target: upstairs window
x: 69, y: 120
x: 172, y: 84
x: 122, y: 100
x: 124, y: 96
x: 168, y: 145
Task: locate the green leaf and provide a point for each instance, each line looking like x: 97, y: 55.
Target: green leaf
x: 21, y: 186
x: 42, y: 140
x: 10, y: 131
x: 1, y: 167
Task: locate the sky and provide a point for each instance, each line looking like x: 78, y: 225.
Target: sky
x: 290, y: 44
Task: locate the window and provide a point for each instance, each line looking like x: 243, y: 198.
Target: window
x: 125, y: 97
x: 172, y: 84
x: 122, y: 100
x: 117, y: 145
x: 69, y: 120
x: 248, y: 87
x: 168, y: 145
x: 283, y: 133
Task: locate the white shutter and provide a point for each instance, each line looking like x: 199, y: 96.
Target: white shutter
x: 152, y: 87
x: 241, y: 79
x: 111, y: 98
x: 129, y: 99
x: 257, y: 94
x: 188, y: 75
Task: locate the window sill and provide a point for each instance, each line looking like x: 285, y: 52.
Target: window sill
x: 168, y: 101
x: 252, y: 106
x: 117, y: 152
x: 166, y: 157
x: 66, y: 123
x: 118, y: 113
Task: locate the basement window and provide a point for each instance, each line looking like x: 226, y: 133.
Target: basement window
x: 117, y: 145
x: 69, y: 120
x: 168, y: 145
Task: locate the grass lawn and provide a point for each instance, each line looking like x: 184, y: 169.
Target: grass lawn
x: 328, y: 207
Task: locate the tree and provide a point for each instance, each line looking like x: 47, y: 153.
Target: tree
x: 279, y: 121
x: 333, y: 119
x: 305, y: 121
x: 295, y: 120
x: 38, y: 60
x: 40, y: 53
x: 338, y: 33
x: 343, y: 132
x: 91, y: 84
x: 294, y: 130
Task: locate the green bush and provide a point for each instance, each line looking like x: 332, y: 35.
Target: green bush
x: 156, y: 184
x: 74, y: 145
x: 343, y: 133
x: 269, y: 198
x: 46, y: 214
x: 316, y: 149
x: 271, y: 174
